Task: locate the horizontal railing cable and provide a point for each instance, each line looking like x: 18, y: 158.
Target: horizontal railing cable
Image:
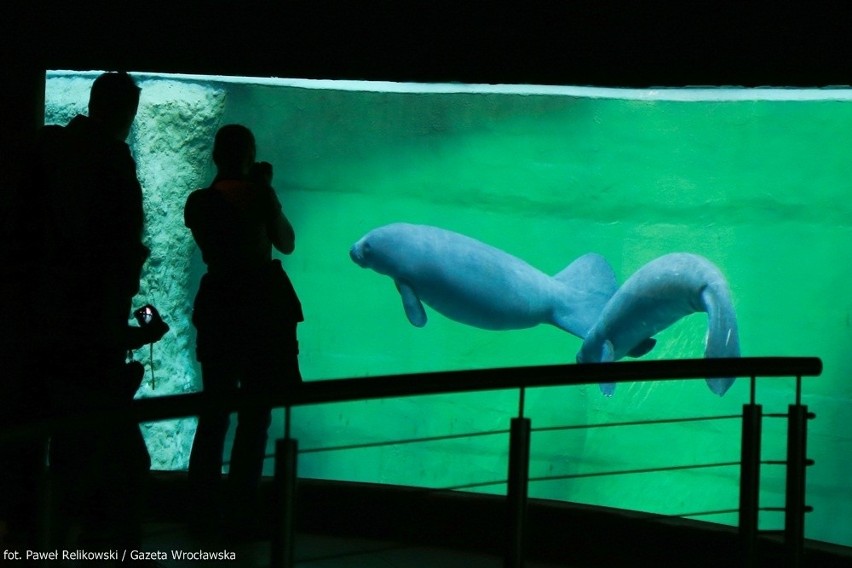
x: 635, y: 471
x: 443, y: 437
x: 402, y: 441
x: 496, y: 482
x: 636, y: 423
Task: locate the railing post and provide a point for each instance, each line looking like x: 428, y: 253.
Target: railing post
x: 282, y: 542
x: 516, y: 494
x: 750, y: 481
x: 795, y: 509
x: 45, y: 529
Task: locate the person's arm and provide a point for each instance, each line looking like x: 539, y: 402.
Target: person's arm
x: 280, y: 230
x: 151, y: 328
x: 278, y: 227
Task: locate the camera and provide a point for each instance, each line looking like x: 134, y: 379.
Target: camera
x: 146, y: 314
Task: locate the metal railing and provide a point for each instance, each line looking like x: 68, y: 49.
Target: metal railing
x: 518, y: 478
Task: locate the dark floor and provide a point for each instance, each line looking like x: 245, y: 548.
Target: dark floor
x: 344, y: 524
x: 320, y: 551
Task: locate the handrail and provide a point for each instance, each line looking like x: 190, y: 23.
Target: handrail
x: 445, y: 382
x: 389, y: 386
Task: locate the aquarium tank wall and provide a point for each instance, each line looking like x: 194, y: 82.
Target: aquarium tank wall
x: 754, y: 180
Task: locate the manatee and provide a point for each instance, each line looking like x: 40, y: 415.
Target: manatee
x: 479, y: 285
x: 655, y: 297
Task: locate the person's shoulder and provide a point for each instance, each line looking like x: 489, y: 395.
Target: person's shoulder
x: 197, y: 195
x: 50, y: 133
x: 51, y: 142
x: 51, y: 130
x: 193, y: 203
x: 80, y: 127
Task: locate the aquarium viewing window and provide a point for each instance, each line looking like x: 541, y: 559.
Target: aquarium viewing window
x: 755, y: 181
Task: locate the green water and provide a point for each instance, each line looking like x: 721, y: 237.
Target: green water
x: 757, y: 186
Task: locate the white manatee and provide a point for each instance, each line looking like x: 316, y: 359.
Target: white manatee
x: 476, y: 284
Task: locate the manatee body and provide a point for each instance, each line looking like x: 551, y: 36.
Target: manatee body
x: 479, y: 285
x: 656, y: 296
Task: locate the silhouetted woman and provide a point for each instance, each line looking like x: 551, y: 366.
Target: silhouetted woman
x: 245, y: 313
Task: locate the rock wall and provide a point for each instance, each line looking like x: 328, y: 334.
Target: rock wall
x: 172, y: 143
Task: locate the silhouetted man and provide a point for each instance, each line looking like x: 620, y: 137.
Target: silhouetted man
x: 79, y: 255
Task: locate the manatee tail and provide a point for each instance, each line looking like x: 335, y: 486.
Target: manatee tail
x: 588, y: 282
x: 722, y: 337
x: 600, y: 352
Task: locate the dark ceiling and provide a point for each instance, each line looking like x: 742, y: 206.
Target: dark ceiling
x: 620, y: 43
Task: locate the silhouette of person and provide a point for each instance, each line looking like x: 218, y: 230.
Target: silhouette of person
x: 245, y: 313
x: 77, y: 221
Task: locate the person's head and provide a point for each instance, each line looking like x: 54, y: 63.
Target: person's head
x: 113, y: 102
x: 234, y: 150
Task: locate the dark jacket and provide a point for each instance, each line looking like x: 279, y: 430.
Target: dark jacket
x: 246, y: 304
x: 85, y: 202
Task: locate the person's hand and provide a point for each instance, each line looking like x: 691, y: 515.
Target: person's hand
x: 261, y: 172
x: 155, y: 330
x: 151, y: 327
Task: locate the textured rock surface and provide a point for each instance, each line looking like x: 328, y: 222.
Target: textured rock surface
x: 171, y: 141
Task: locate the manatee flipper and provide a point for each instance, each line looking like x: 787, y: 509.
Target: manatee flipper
x: 589, y: 283
x: 643, y: 348
x: 607, y: 356
x: 411, y: 304
x: 719, y: 386
x: 722, y: 336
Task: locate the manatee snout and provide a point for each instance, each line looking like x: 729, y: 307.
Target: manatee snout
x: 358, y: 253
x: 355, y: 255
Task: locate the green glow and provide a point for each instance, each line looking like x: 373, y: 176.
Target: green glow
x: 755, y: 180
